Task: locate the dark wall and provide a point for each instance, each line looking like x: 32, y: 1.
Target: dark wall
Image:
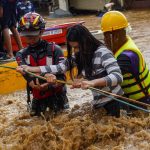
x: 137, y: 4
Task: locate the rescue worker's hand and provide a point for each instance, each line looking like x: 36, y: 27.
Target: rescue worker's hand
x: 41, y: 87
x: 87, y: 84
x: 25, y: 67
x: 50, y: 78
x: 38, y: 86
x: 32, y: 84
x: 76, y: 84
x: 31, y: 68
x: 20, y: 69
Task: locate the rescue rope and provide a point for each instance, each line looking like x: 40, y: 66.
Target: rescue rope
x: 13, y: 68
x: 111, y: 95
x: 105, y: 93
x: 121, y: 97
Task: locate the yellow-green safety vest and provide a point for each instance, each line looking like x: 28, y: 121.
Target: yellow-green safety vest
x: 135, y: 87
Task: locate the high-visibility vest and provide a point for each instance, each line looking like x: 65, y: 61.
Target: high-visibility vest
x: 135, y: 87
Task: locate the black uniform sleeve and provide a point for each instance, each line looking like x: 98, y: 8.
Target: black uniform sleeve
x: 58, y: 54
x: 20, y: 58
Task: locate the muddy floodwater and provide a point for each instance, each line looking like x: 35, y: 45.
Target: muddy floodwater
x: 80, y: 127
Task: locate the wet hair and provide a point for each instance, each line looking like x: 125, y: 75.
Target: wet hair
x: 88, y: 44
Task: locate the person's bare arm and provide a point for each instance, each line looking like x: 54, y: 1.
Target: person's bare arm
x: 93, y: 83
x: 28, y: 68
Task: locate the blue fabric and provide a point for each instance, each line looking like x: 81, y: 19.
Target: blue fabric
x: 23, y: 8
x: 134, y: 61
x: 101, y: 14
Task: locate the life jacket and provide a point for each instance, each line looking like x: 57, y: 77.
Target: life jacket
x: 135, y: 86
x: 47, y: 58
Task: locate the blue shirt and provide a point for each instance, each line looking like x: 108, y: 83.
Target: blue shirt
x: 23, y: 8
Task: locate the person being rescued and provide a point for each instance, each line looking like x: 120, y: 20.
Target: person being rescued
x: 40, y: 53
x: 136, y: 75
x: 95, y: 63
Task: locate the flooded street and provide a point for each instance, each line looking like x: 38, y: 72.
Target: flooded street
x: 79, y: 128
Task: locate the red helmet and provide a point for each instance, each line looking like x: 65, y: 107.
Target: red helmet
x: 31, y: 22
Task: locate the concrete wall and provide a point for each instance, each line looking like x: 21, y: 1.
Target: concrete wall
x: 63, y: 4
x: 88, y: 4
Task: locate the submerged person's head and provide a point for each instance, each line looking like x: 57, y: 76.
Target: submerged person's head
x: 83, y: 44
x: 113, y: 25
x: 32, y: 26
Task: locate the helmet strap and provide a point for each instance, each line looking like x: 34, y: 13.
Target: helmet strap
x: 41, y: 32
x: 111, y: 42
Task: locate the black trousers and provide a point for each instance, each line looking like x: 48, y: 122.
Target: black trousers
x: 55, y: 103
x: 113, y: 108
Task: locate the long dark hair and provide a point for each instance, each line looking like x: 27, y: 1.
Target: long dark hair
x: 88, y: 44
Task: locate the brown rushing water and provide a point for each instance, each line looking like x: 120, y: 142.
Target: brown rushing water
x: 79, y: 128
